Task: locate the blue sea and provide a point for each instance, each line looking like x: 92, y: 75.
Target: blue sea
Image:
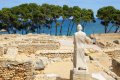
x: 90, y: 28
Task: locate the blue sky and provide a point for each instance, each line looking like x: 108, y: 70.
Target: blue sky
x: 89, y: 4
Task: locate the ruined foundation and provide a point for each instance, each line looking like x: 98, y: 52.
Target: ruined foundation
x: 12, y: 70
x: 116, y: 66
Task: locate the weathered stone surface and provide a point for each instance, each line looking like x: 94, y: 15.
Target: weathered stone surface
x: 114, y: 53
x: 56, y: 59
x: 38, y: 64
x: 12, y: 70
x: 12, y: 51
x: 51, y: 76
x: 1, y: 51
x: 98, y: 76
x: 102, y: 45
x: 45, y: 60
x: 116, y: 66
x: 80, y: 75
x: 31, y: 45
x: 35, y: 44
x: 116, y: 42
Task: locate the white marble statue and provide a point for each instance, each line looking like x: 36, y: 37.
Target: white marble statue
x: 80, y: 40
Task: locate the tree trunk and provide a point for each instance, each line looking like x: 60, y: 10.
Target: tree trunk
x: 61, y: 26
x: 8, y: 30
x: 43, y: 31
x: 50, y: 28
x: 106, y: 29
x: 76, y: 28
x: 117, y: 29
x: 69, y: 28
x: 56, y: 30
x: 22, y: 32
x: 14, y: 31
x: 26, y: 31
x: 83, y: 26
x: 39, y: 29
x: 110, y: 29
x: 50, y: 32
x: 11, y: 29
x: 56, y: 27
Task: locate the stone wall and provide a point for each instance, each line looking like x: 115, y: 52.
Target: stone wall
x: 31, y: 49
x: 116, y: 66
x: 12, y: 70
x: 38, y: 45
x: 114, y: 54
x: 54, y: 55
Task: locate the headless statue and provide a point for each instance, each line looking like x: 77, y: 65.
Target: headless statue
x: 80, y: 40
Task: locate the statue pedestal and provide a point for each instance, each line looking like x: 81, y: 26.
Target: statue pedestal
x: 79, y: 75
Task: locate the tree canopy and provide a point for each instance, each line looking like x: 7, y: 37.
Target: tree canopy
x: 109, y: 15
x: 32, y: 17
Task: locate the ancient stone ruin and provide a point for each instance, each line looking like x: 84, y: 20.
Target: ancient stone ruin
x: 28, y: 57
x: 23, y: 55
x: 12, y: 70
x: 116, y: 66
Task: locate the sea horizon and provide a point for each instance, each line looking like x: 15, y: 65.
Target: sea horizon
x: 90, y: 28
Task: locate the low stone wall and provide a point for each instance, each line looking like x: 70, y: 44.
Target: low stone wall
x: 54, y: 55
x: 12, y: 70
x: 116, y: 66
x: 31, y: 49
x: 114, y: 54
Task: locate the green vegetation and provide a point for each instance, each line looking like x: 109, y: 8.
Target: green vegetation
x: 31, y: 17
x: 109, y: 15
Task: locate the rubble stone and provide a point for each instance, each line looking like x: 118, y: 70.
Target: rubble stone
x: 116, y: 42
x: 12, y: 70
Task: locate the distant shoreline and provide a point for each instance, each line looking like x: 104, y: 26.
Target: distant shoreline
x: 97, y: 34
